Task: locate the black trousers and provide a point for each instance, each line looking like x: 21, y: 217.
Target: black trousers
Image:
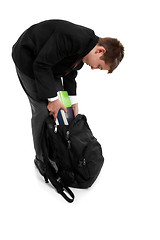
x: 38, y: 107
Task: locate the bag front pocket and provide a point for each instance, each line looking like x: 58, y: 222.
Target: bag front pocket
x: 90, y: 163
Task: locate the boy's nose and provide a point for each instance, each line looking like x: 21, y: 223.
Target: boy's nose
x: 93, y: 68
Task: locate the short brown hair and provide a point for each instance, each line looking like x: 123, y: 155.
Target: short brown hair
x: 114, y: 52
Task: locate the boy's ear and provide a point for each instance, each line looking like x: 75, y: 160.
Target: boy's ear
x: 100, y: 49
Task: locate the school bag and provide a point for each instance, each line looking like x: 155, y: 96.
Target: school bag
x: 72, y: 155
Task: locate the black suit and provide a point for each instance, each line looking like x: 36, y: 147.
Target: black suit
x: 49, y: 49
x: 43, y: 53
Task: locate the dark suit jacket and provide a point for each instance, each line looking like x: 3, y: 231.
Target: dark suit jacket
x: 50, y: 49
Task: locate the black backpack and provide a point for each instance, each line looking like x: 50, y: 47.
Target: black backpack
x: 72, y: 155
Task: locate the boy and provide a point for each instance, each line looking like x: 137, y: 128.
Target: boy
x: 52, y: 51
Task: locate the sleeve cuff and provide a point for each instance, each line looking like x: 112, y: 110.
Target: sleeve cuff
x: 52, y: 99
x: 73, y: 99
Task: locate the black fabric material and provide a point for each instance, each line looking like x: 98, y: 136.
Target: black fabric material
x: 50, y: 49
x: 71, y: 153
x: 38, y: 107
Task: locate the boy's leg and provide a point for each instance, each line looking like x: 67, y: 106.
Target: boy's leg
x: 39, y: 109
x: 39, y: 114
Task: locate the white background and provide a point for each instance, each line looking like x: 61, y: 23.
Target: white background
x: 123, y: 111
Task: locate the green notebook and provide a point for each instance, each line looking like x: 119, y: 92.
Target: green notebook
x: 65, y: 98
x: 65, y: 117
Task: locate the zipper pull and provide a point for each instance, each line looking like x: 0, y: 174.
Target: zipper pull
x: 67, y: 138
x: 69, y: 144
x: 82, y: 162
x: 67, y: 135
x: 55, y: 128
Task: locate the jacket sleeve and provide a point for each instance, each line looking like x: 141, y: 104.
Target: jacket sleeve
x: 53, y: 51
x: 69, y: 83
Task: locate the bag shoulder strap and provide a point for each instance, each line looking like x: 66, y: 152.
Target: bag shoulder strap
x: 65, y: 191
x: 50, y: 173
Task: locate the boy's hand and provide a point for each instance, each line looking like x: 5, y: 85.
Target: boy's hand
x: 75, y: 109
x: 54, y: 107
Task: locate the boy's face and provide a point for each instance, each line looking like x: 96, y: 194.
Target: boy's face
x: 93, y: 59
